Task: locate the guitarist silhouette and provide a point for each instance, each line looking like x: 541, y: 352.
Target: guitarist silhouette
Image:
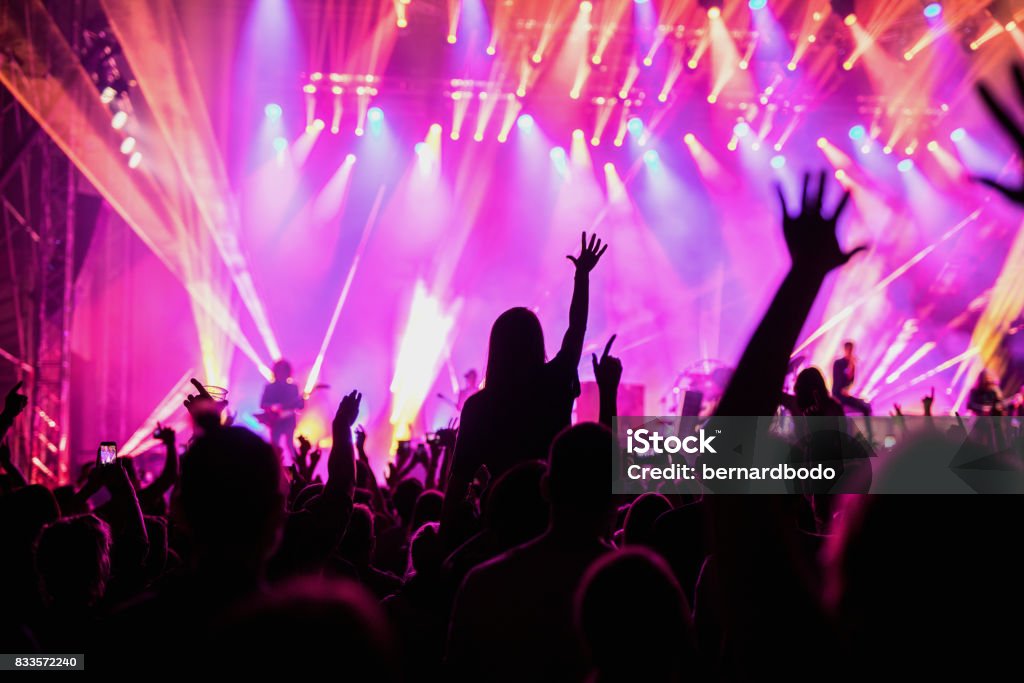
x: 281, y: 399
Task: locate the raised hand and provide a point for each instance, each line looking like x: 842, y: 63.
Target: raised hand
x: 590, y: 254
x: 927, y: 402
x: 204, y: 409
x: 348, y: 410
x: 811, y: 233
x: 164, y: 435
x: 304, y: 446
x: 446, y: 436
x: 1015, y: 193
x: 15, y: 402
x: 607, y: 370
x: 361, y: 441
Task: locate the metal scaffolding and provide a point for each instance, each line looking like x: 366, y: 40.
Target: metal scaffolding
x: 37, y: 217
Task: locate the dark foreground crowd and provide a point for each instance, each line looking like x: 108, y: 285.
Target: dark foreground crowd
x: 511, y: 560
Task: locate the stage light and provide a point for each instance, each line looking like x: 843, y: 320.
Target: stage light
x: 778, y: 161
x: 791, y: 66
x: 319, y: 125
x: 557, y: 154
x: 402, y: 22
x: 350, y: 158
x: 478, y: 137
x: 451, y: 39
x: 714, y: 12
x: 586, y: 6
x: 887, y: 149
x: 905, y: 165
x: 118, y: 120
x: 689, y: 138
x: 127, y: 145
x: 609, y: 167
x: 375, y: 115
x: 651, y: 157
x: 490, y: 50
x: 273, y: 111
x: 712, y: 99
x: 840, y: 174
x: 359, y: 132
x: 309, y: 89
x: 822, y: 142
x: 420, y: 148
x: 958, y: 135
x: 850, y: 19
x: 280, y: 144
x: 757, y: 4
x: 648, y: 61
x: 577, y: 134
x: 536, y: 58
x: 134, y: 160
x: 933, y: 146
x: 857, y: 132
x: 932, y: 10
x: 812, y: 38
x: 525, y: 123
x: 741, y: 129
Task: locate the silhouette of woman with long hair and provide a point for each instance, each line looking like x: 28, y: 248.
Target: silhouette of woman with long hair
x: 525, y: 401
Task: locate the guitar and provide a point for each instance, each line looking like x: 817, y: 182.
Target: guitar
x: 272, y: 415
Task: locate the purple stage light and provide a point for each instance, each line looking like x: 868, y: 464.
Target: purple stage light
x: 757, y: 4
x: 857, y: 132
x: 958, y: 135
x: 375, y: 115
x: 280, y: 144
x: 932, y: 10
x: 778, y: 161
x: 525, y: 123
x: 273, y: 111
x: 635, y: 127
x: 905, y: 165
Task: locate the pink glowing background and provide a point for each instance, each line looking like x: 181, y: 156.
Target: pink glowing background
x: 362, y: 187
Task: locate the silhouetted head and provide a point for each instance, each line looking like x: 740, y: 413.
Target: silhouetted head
x: 73, y: 561
x: 472, y: 379
x: 633, y: 619
x: 516, y: 351
x: 282, y: 370
x: 357, y: 544
x: 638, y: 528
x: 848, y: 349
x: 231, y: 496
x: 578, y: 483
x: 427, y: 508
x: 984, y: 381
x: 310, y: 617
x: 426, y: 553
x: 810, y: 389
x: 514, y: 508
x: 406, y: 494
